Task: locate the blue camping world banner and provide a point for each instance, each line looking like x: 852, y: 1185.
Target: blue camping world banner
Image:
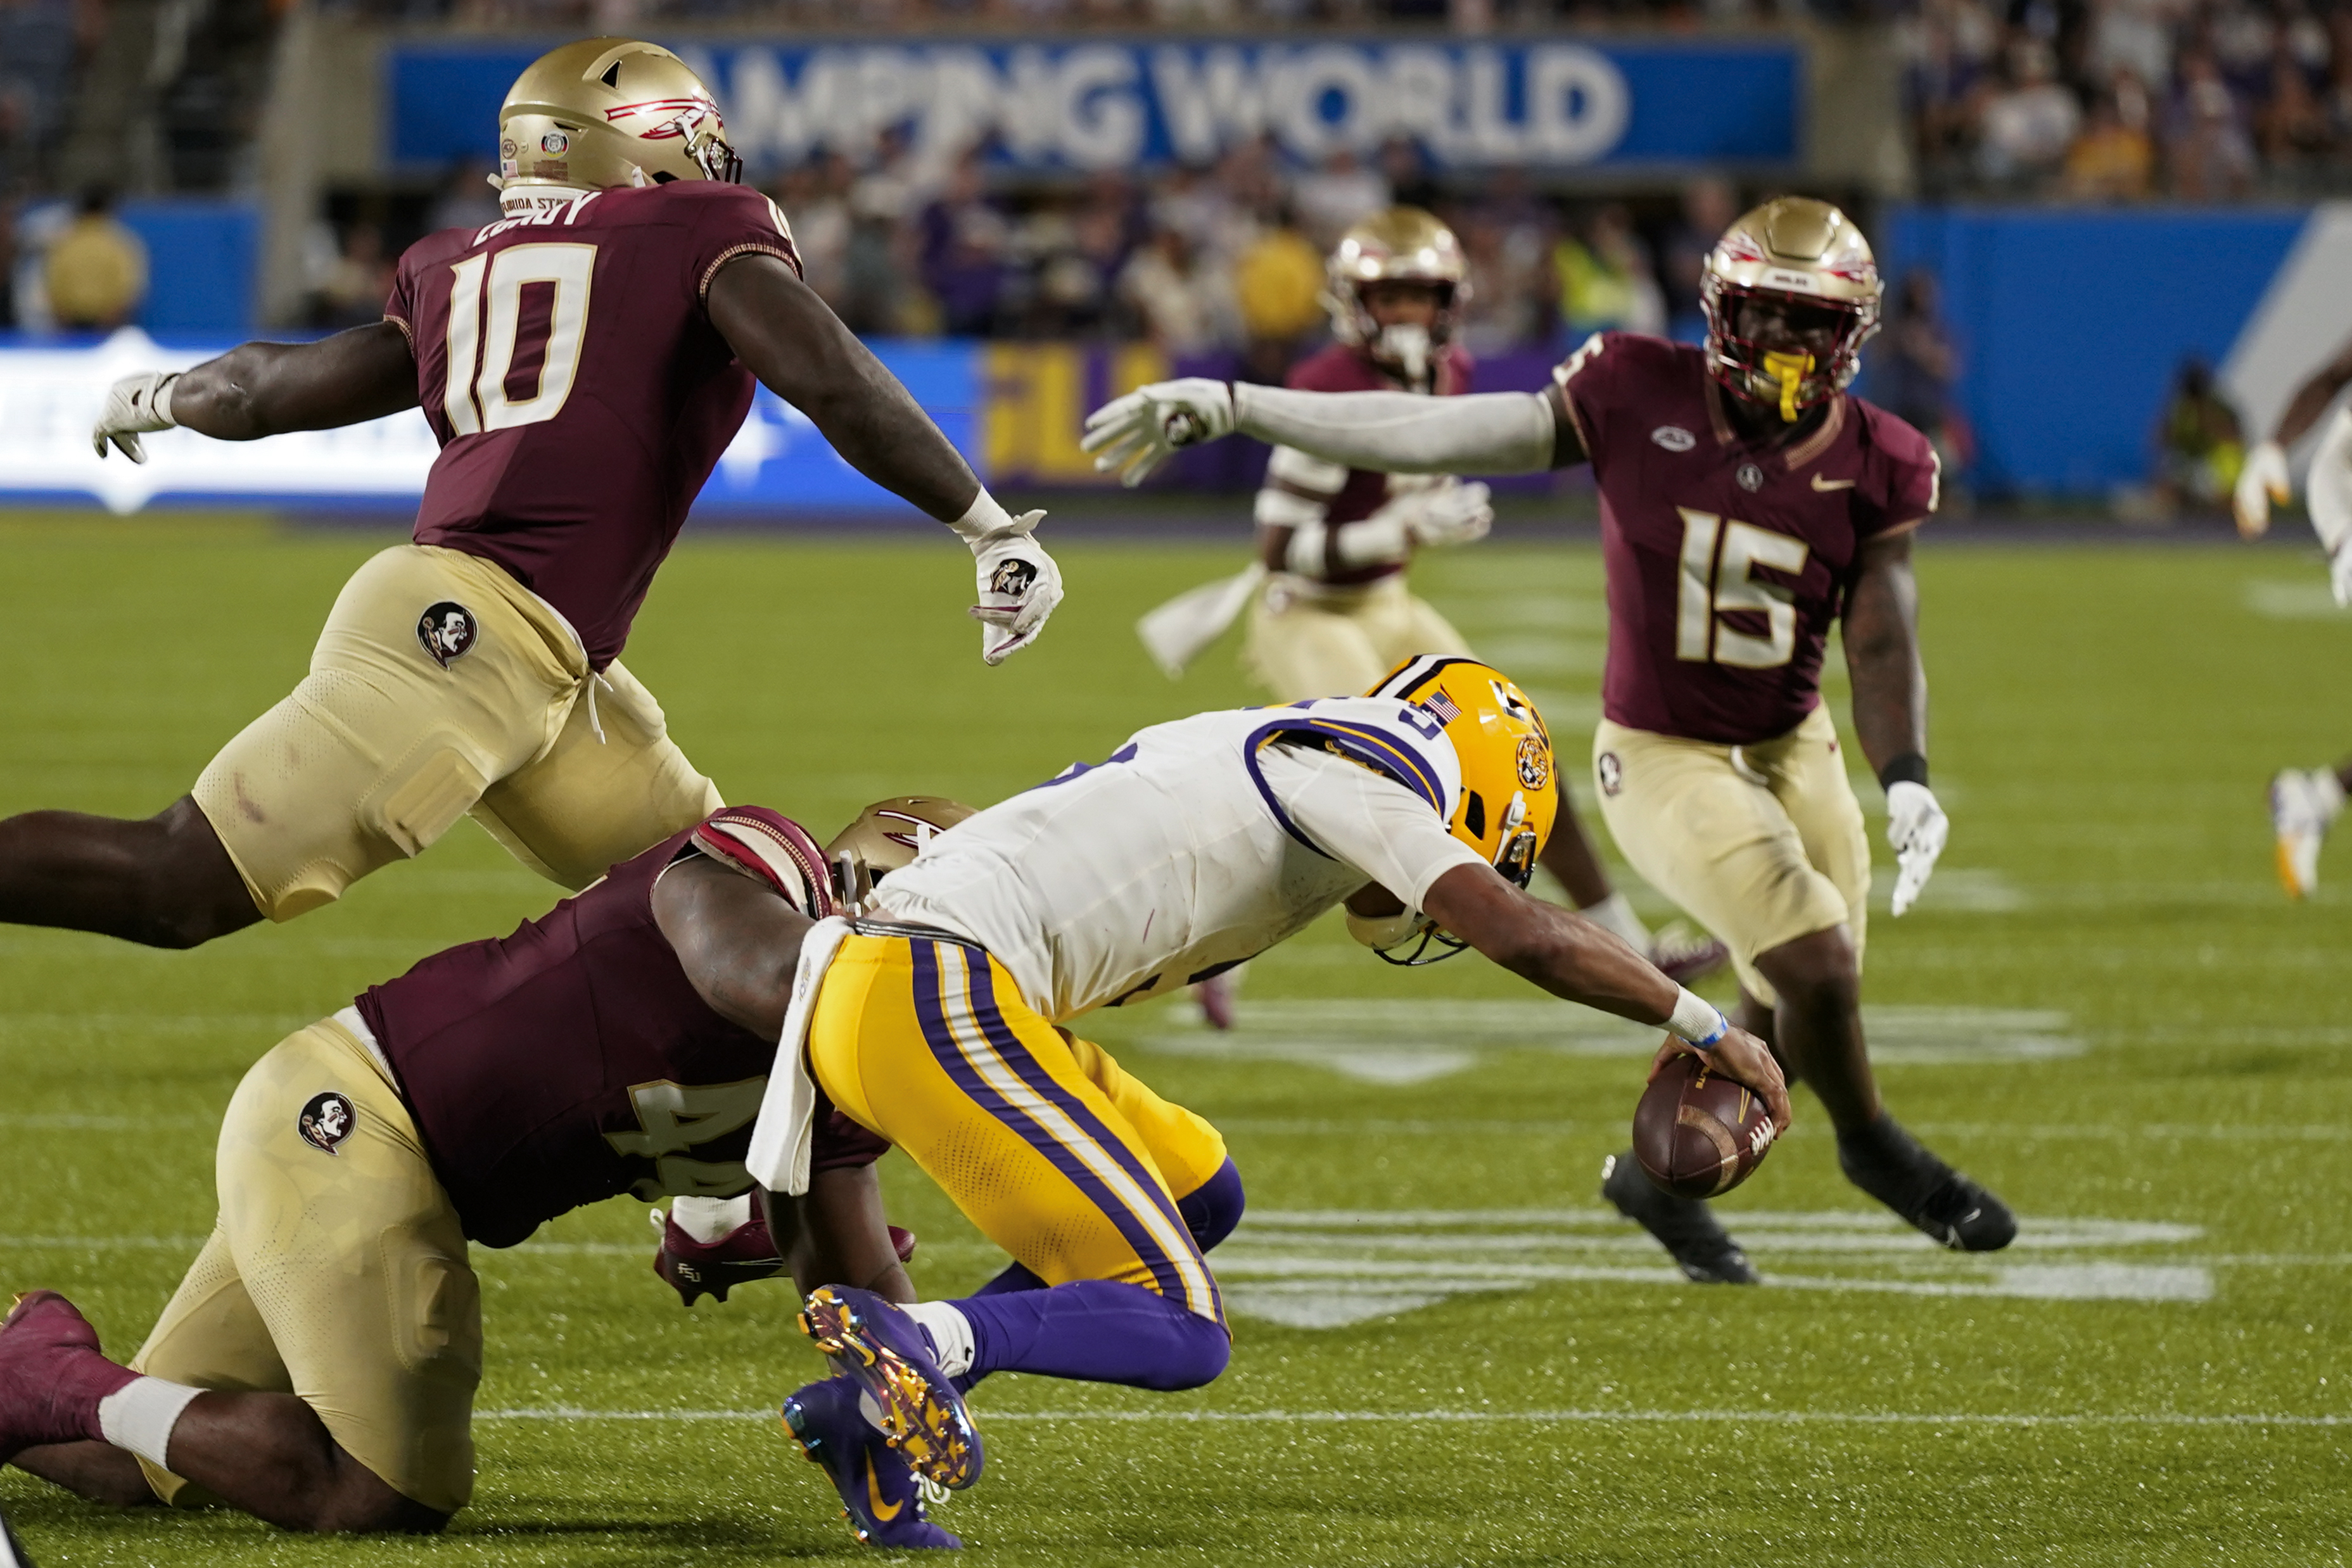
x: 1097, y: 105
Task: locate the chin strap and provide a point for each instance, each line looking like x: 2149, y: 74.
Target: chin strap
x: 1789, y: 369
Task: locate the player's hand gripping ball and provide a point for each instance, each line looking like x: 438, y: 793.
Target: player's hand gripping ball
x: 1697, y: 1133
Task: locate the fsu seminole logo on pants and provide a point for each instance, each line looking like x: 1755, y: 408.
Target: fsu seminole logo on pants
x: 446, y: 632
x: 327, y: 1120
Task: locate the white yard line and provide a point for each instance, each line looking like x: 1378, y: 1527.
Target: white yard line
x: 1482, y: 1417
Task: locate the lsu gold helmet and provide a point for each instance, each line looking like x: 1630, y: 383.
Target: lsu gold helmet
x: 1402, y: 245
x: 887, y: 837
x: 1806, y: 254
x: 606, y: 112
x: 1509, y: 802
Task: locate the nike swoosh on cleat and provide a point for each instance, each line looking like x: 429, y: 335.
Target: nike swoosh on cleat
x: 1827, y: 485
x: 883, y: 1511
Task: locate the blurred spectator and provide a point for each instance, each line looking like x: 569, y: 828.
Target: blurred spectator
x: 816, y: 200
x: 467, y: 201
x: 2027, y: 126
x: 2199, y: 444
x: 1913, y: 368
x: 2211, y: 156
x: 1277, y: 289
x: 2114, y: 159
x: 1178, y: 303
x: 1407, y: 173
x: 1336, y: 197
x: 964, y: 239
x: 1604, y: 277
x: 1709, y: 206
x: 353, y: 291
x: 2291, y: 126
x: 97, y: 269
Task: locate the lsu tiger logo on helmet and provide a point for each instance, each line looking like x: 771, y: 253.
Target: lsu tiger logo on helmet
x: 604, y: 113
x: 1509, y: 804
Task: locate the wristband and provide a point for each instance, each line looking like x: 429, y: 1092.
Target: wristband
x: 1910, y: 768
x: 1696, y: 1020
x: 985, y: 519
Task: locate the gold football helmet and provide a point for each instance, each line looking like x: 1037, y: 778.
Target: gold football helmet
x: 887, y: 837
x: 1510, y: 802
x: 606, y: 112
x: 1805, y: 254
x: 1402, y: 245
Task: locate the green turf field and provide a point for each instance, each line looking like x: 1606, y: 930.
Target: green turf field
x: 1445, y: 1351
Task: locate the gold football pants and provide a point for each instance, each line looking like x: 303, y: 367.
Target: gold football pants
x: 1061, y: 1158
x: 1761, y: 844
x: 1306, y: 641
x: 337, y: 1272
x: 396, y: 734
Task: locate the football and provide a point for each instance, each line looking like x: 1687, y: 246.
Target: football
x: 1697, y: 1133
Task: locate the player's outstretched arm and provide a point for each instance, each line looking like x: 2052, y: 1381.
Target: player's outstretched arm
x: 790, y: 340
x: 1890, y: 707
x: 737, y: 940
x: 266, y: 389
x: 1570, y: 956
x: 1398, y: 433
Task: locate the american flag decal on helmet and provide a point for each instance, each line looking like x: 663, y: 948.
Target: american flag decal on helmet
x: 1440, y: 707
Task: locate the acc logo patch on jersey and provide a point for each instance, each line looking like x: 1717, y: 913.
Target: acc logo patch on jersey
x: 1673, y: 438
x: 1750, y: 477
x: 446, y: 632
x: 327, y: 1120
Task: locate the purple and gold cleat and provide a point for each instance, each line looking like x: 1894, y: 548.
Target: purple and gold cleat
x: 881, y: 1496
x: 889, y: 1356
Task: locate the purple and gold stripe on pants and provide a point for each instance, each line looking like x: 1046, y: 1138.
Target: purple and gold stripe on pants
x: 928, y: 1044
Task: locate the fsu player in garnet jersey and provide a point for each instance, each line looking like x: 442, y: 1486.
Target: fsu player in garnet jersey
x: 316, y: 1367
x: 1331, y: 613
x: 583, y: 362
x: 1748, y: 503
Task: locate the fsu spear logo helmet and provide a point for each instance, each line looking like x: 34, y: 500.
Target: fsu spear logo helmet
x: 1799, y: 252
x: 606, y: 112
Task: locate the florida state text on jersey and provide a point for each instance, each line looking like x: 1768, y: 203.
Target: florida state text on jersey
x: 580, y: 393
x: 573, y: 1060
x: 1728, y: 559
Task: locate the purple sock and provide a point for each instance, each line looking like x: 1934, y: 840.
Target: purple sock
x: 1097, y: 1331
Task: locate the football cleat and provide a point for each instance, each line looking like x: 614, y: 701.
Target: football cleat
x: 1889, y: 1165
x: 889, y: 1355
x: 1683, y: 955
x: 881, y: 1496
x: 52, y: 1374
x: 698, y: 1269
x: 2304, y: 803
x: 1685, y: 1226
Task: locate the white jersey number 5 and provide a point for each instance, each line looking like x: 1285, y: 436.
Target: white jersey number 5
x: 1719, y: 559
x: 486, y: 328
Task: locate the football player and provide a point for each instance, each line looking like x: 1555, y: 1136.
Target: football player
x: 584, y: 362
x: 1329, y: 609
x: 2305, y: 802
x: 936, y: 1020
x: 1749, y: 503
x: 317, y: 1365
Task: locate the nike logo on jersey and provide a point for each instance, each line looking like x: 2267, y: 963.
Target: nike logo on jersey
x: 885, y: 1512
x: 1826, y: 485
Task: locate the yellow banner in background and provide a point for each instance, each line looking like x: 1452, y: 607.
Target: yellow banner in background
x: 1038, y: 396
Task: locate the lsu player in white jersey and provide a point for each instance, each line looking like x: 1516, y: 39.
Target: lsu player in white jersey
x: 935, y: 1018
x: 2305, y: 802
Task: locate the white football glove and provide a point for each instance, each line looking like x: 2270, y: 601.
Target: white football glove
x: 1916, y: 828
x: 1136, y: 434
x: 2263, y: 484
x: 135, y: 406
x: 1019, y: 586
x: 1449, y: 514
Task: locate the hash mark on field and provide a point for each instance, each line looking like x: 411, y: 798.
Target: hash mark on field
x: 1484, y: 1417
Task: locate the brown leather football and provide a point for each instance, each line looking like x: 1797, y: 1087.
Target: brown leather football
x: 1697, y: 1133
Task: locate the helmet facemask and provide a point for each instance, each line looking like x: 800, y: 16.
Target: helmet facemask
x: 1805, y: 261
x: 1401, y: 245
x: 1784, y: 375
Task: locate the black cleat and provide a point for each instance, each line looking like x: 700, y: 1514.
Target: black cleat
x: 1685, y: 1226
x: 1887, y: 1163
